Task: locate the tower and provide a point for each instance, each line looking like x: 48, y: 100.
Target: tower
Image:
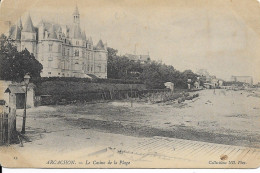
x: 28, y: 39
x: 76, y: 16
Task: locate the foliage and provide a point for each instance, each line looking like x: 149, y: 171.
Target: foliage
x: 14, y: 65
x: 153, y: 74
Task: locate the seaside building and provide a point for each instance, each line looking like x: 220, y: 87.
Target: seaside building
x: 142, y: 58
x: 63, y: 50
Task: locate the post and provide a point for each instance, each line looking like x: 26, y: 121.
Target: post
x: 11, y: 118
x: 24, y: 112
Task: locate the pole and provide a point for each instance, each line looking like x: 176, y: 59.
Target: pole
x: 24, y: 113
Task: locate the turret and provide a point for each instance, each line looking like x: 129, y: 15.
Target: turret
x: 28, y: 38
x: 41, y: 30
x: 52, y: 33
x: 76, y: 16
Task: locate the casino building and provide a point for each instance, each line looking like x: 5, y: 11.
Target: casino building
x: 63, y: 50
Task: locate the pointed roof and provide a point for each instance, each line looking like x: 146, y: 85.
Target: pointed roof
x: 100, y: 45
x: 52, y: 33
x: 19, y: 24
x: 28, y: 25
x: 76, y: 11
x: 90, y: 40
x: 84, y: 35
x: 41, y: 23
x: 15, y: 31
x: 76, y: 32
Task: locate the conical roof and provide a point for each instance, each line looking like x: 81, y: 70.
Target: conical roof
x: 52, y: 33
x: 28, y: 25
x: 19, y: 24
x: 100, y: 45
x: 76, y: 33
x: 84, y: 35
x: 90, y: 40
x: 76, y: 11
x: 15, y: 31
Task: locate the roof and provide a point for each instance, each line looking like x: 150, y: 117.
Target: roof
x: 100, y: 45
x: 76, y: 32
x: 28, y: 25
x: 76, y: 11
x: 144, y: 57
x: 14, y: 89
x: 52, y: 33
x: 138, y: 57
x: 15, y: 30
x: 83, y: 34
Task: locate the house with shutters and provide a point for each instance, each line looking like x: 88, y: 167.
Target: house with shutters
x: 63, y: 50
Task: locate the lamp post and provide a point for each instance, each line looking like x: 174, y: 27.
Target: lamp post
x: 26, y: 82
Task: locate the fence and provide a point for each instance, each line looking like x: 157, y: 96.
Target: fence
x: 3, y: 125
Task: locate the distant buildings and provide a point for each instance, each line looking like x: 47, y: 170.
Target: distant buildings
x: 243, y: 79
x: 63, y: 50
x: 142, y: 58
x: 210, y: 81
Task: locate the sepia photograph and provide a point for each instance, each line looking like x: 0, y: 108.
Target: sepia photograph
x: 129, y: 83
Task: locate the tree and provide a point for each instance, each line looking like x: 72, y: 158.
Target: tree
x: 153, y: 74
x: 14, y: 65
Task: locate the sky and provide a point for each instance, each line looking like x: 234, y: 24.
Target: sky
x: 221, y: 36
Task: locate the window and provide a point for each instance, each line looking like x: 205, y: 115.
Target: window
x: 62, y: 65
x: 58, y: 73
x: 63, y: 51
x: 59, y: 48
x: 76, y: 52
x: 42, y: 58
x: 88, y: 67
x: 77, y: 43
x: 68, y: 52
x: 50, y: 47
x: 99, y: 67
x: 49, y: 72
x: 91, y: 68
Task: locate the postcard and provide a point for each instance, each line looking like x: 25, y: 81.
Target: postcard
x: 129, y: 84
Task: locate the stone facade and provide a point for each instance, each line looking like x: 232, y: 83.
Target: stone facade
x: 63, y: 50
